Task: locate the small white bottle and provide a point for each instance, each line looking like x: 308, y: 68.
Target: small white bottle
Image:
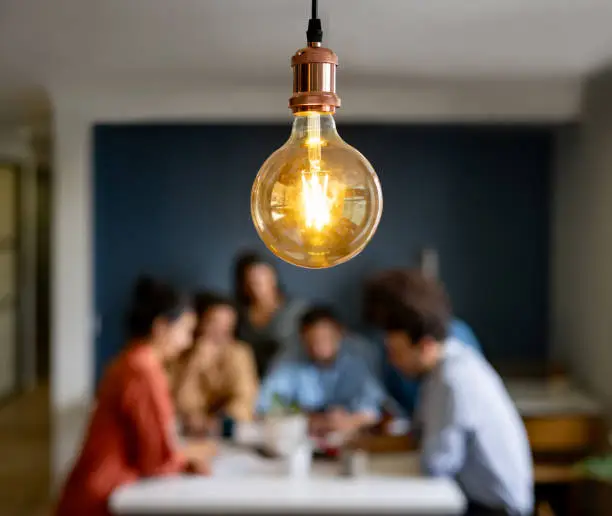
x: 299, y: 461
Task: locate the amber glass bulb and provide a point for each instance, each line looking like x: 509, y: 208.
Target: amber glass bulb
x: 316, y: 201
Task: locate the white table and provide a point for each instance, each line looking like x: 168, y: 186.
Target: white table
x: 540, y: 398
x: 243, y: 483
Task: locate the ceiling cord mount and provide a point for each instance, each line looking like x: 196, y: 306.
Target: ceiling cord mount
x: 314, y: 34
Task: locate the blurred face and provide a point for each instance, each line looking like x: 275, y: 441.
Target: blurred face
x: 260, y: 281
x: 411, y: 360
x: 218, y: 323
x: 322, y: 340
x: 173, y: 337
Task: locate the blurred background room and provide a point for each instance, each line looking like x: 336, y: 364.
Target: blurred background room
x: 131, y: 132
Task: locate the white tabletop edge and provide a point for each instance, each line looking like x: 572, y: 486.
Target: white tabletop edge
x: 308, y: 496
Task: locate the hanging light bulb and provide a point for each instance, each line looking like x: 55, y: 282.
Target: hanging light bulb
x: 316, y: 202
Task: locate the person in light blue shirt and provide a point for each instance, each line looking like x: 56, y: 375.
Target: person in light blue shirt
x: 462, y: 331
x: 468, y: 426
x: 404, y: 390
x: 327, y: 379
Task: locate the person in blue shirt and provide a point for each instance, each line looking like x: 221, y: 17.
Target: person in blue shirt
x: 405, y: 390
x: 460, y: 330
x: 467, y: 424
x: 327, y: 379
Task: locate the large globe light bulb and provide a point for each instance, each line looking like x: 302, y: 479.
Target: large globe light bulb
x: 316, y: 202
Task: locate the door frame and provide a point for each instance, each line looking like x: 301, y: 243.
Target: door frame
x: 15, y: 168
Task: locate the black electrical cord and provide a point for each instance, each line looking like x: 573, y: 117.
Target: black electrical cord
x: 314, y: 34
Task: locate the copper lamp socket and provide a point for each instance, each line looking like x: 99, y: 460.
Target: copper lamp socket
x: 314, y: 80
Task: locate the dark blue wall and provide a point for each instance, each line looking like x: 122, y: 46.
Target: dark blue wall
x: 174, y: 201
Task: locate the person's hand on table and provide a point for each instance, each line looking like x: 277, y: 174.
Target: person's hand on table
x: 199, y: 468
x: 339, y: 420
x: 199, y: 449
x: 318, y: 424
x: 199, y: 425
x: 335, y: 420
x: 199, y: 453
x: 196, y: 424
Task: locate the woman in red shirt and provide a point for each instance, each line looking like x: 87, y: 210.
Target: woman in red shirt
x: 132, y: 433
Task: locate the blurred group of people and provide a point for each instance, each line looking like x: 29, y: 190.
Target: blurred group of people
x: 200, y: 366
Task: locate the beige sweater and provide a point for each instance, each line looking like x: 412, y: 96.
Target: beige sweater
x: 225, y: 383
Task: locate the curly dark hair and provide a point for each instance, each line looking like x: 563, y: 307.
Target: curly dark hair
x: 406, y: 300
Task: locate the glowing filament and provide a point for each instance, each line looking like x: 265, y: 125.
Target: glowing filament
x: 317, y: 206
x: 315, y: 198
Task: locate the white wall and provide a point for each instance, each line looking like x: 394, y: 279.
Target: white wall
x: 76, y: 109
x: 71, y: 277
x: 581, y: 325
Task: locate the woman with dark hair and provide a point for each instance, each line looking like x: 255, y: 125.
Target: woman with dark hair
x: 267, y: 319
x: 131, y: 433
x: 216, y: 380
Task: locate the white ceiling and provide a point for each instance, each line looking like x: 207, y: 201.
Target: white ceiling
x: 50, y: 41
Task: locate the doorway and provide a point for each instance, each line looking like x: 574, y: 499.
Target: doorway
x: 9, y: 259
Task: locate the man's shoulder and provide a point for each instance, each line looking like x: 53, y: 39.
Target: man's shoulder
x: 290, y: 365
x: 137, y: 362
x: 470, y: 377
x: 130, y: 372
x: 462, y: 331
x: 295, y: 307
x: 355, y: 365
x: 463, y: 365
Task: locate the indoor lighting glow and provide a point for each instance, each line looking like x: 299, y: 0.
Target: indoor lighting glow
x: 316, y: 201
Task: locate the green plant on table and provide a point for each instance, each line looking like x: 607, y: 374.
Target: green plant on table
x: 282, y: 407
